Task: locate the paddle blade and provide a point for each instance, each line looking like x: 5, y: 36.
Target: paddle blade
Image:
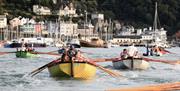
x: 162, y: 61
x: 110, y: 72
x: 160, y: 87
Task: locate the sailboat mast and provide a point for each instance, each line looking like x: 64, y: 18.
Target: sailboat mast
x: 155, y: 18
x: 85, y: 24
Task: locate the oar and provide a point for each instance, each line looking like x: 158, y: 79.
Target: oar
x: 38, y: 70
x: 55, y: 54
x: 105, y: 59
x: 156, y: 87
x: 2, y: 53
x: 110, y: 72
x: 169, y: 51
x: 162, y: 61
x: 53, y: 51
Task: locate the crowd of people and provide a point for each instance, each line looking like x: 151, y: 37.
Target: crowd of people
x: 25, y: 47
x: 69, y: 53
x: 132, y: 51
x: 155, y: 50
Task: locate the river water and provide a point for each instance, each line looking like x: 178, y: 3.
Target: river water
x: 13, y: 72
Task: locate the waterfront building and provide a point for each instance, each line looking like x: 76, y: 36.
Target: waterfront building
x: 62, y: 30
x: 86, y: 31
x: 33, y: 29
x: 3, y: 27
x: 3, y: 21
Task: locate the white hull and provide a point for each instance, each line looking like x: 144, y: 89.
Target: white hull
x: 128, y: 63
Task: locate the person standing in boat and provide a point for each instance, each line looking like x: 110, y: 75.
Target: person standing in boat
x: 132, y: 51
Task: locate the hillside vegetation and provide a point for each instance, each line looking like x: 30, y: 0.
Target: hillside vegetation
x: 139, y: 13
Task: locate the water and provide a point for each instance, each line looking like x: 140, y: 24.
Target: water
x: 13, y: 72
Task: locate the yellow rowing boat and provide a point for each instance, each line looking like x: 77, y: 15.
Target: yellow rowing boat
x: 79, y: 70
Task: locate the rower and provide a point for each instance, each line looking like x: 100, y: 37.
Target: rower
x: 124, y: 54
x: 157, y: 50
x: 79, y: 57
x: 72, y: 52
x: 132, y: 51
x: 65, y: 57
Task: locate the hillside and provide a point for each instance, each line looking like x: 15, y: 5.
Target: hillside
x: 139, y: 13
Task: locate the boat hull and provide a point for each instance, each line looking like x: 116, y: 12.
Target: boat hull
x: 76, y: 45
x: 81, y: 70
x: 16, y: 45
x: 84, y: 43
x: 139, y: 64
x: 24, y: 54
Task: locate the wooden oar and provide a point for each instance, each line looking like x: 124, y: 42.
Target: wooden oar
x: 2, y: 53
x: 53, y: 51
x: 110, y: 72
x: 105, y: 59
x: 55, y: 54
x: 162, y: 61
x: 158, y: 87
x: 38, y: 70
x: 169, y: 51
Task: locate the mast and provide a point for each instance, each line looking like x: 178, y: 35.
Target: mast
x: 156, y: 23
x: 85, y: 24
x: 155, y: 19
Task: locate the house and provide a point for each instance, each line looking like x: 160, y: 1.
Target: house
x: 68, y: 11
x: 86, y: 30
x: 97, y: 16
x: 3, y: 21
x: 40, y: 10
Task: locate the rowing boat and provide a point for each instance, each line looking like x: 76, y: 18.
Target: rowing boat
x: 77, y: 70
x: 136, y: 63
x: 24, y: 54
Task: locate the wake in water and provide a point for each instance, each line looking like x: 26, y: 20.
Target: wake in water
x: 132, y: 74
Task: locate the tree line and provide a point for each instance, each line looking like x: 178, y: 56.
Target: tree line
x: 139, y: 13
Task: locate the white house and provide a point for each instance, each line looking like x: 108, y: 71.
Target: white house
x: 24, y: 21
x: 40, y: 10
x: 97, y: 16
x: 3, y: 21
x: 68, y: 29
x: 68, y: 10
x: 32, y: 21
x: 88, y: 29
